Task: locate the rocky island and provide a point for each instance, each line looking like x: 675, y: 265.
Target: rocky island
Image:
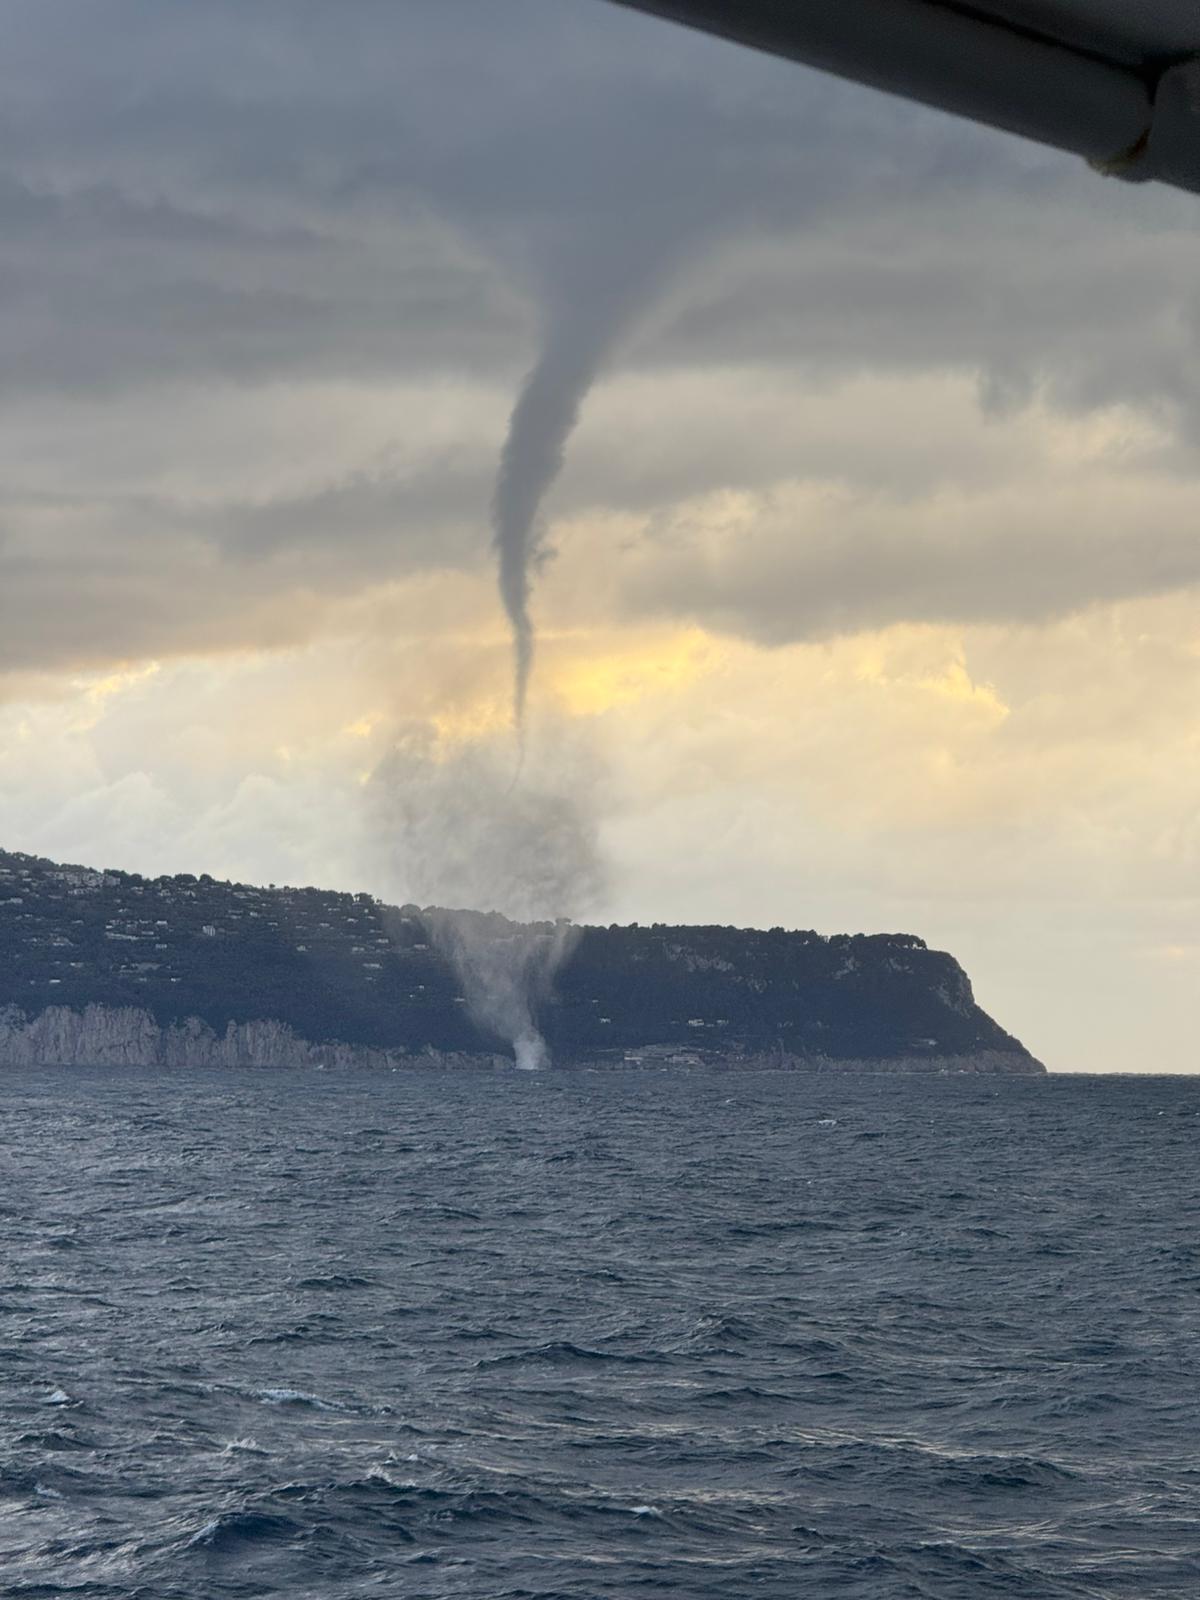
x: 104, y: 967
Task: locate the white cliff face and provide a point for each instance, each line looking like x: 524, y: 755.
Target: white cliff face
x: 113, y: 1036
x: 103, y: 1036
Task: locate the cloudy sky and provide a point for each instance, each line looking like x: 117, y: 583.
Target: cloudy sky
x: 869, y: 598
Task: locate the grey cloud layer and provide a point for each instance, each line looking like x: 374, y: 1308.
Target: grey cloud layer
x: 352, y: 189
x: 823, y: 569
x: 194, y: 197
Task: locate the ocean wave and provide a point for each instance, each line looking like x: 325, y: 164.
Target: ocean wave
x: 561, y: 1352
x: 231, y: 1530
x: 297, y: 1397
x: 336, y: 1282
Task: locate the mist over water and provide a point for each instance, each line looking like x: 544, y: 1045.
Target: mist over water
x: 506, y: 970
x: 507, y: 826
x: 510, y: 829
x: 480, y: 831
x: 501, y: 866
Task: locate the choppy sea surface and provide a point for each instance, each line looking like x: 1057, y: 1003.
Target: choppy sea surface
x: 590, y: 1335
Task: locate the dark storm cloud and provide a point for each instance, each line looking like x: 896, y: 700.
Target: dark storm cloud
x: 242, y: 188
x: 199, y: 196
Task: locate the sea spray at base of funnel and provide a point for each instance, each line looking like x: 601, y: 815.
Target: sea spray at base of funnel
x: 506, y: 970
x: 461, y: 833
x: 530, y: 1053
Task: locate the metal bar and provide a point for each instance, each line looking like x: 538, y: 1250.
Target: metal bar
x: 950, y: 57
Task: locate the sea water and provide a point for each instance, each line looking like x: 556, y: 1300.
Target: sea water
x: 588, y: 1335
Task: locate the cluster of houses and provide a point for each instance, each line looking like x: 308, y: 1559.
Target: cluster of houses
x: 72, y: 927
